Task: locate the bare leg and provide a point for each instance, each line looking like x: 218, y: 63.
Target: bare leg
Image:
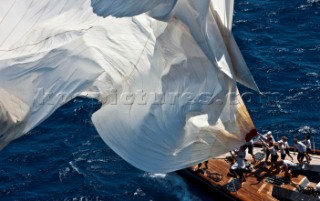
x: 288, y: 153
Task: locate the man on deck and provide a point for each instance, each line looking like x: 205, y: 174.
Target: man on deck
x: 283, y: 145
x: 249, y: 145
x: 267, y: 138
x: 286, y: 166
x: 301, y: 150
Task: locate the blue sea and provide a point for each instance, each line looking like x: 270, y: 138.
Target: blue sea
x: 65, y: 159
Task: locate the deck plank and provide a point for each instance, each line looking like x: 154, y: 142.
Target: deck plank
x: 255, y: 187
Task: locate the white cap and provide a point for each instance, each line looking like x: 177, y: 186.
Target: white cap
x: 269, y: 132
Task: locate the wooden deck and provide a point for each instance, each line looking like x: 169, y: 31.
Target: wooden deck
x: 256, y: 187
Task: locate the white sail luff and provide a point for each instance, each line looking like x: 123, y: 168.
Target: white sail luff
x: 223, y: 13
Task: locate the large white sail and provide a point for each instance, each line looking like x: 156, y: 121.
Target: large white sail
x: 168, y: 87
x: 223, y: 14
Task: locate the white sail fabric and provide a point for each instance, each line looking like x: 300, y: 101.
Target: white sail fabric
x: 223, y: 14
x: 223, y: 10
x: 51, y: 51
x: 168, y: 88
x: 184, y: 114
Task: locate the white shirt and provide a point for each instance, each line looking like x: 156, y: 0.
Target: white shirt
x: 239, y: 164
x: 241, y: 154
x: 273, y: 151
x: 300, y: 147
x: 285, y: 144
x: 250, y: 142
x: 282, y: 148
x: 289, y: 163
x: 264, y: 137
x: 308, y: 143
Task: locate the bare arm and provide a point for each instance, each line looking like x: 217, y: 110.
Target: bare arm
x: 263, y: 142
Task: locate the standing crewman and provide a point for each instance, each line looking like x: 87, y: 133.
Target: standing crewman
x: 301, y: 150
x: 267, y: 138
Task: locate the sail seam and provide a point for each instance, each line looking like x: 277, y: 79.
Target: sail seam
x: 138, y: 60
x: 17, y: 24
x: 47, y: 38
x: 5, y: 16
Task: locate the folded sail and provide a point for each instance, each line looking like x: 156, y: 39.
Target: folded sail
x: 12, y: 113
x: 168, y: 88
x: 223, y: 14
x: 172, y: 127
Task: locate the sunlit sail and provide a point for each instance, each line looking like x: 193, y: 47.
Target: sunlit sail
x: 165, y: 72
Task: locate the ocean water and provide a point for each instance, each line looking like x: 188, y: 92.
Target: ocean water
x: 65, y: 159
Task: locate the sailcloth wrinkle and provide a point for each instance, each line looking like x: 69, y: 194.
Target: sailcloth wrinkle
x: 164, y: 71
x: 12, y: 113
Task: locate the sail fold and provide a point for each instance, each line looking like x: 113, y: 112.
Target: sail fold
x: 164, y: 71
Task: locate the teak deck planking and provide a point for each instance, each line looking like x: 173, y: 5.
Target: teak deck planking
x: 255, y: 187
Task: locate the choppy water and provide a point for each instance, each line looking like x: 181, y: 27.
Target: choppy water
x: 65, y: 159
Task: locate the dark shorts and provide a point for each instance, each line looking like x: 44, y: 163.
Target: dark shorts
x: 283, y: 156
x: 300, y: 156
x: 274, y: 158
x: 287, y: 151
x: 308, y: 150
x: 250, y: 149
x: 267, y: 153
